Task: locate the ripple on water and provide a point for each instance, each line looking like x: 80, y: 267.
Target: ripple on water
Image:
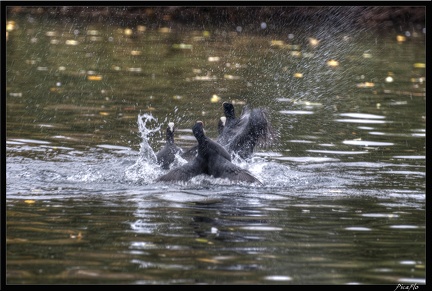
x: 367, y: 143
x: 338, y: 152
x: 307, y: 159
x: 404, y: 226
x: 371, y: 121
x: 113, y: 147
x: 358, y: 228
x: 300, y: 112
x: 23, y: 140
x: 278, y: 278
x: 410, y: 157
x: 363, y: 115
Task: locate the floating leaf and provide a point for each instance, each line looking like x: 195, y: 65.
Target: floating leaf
x: 182, y: 46
x: 231, y: 77
x: 72, y: 42
x: 332, y: 63
x: 400, y: 38
x: 366, y: 85
x: 135, y: 53
x: 215, y: 98
x: 313, y: 41
x: 164, y: 30
x: 94, y: 78
x: 279, y: 43
x: 420, y: 65
x: 10, y: 25
x: 205, y: 260
x: 213, y: 59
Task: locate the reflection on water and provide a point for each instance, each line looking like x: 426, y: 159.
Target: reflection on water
x: 343, y: 194
x: 190, y: 237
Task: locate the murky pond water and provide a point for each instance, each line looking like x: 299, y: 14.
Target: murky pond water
x: 343, y: 194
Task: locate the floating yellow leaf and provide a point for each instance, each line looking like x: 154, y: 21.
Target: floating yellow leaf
x: 332, y: 63
x: 10, y: 25
x: 205, y: 260
x: 103, y: 113
x: 420, y: 65
x: 365, y: 85
x: 215, y: 98
x: 134, y: 70
x: 313, y: 41
x: 400, y: 38
x: 164, y: 30
x: 94, y: 78
x: 78, y: 236
x: 298, y: 75
x: 29, y: 201
x: 213, y: 59
x: 231, y: 77
x: 128, y: 31
x: 202, y: 240
x: 279, y: 43
x: 182, y: 46
x: 92, y: 32
x: 72, y: 42
x: 204, y: 78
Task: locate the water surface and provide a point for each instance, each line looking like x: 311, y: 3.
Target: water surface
x: 343, y: 194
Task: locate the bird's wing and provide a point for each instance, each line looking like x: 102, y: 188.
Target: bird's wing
x: 223, y: 168
x: 183, y: 173
x: 218, y: 149
x: 190, y: 154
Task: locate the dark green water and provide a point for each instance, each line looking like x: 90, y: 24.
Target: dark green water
x: 343, y: 195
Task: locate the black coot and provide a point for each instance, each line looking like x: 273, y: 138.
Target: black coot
x: 167, y: 154
x: 241, y: 135
x: 212, y: 159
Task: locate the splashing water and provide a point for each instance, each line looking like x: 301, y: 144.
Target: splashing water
x: 142, y: 168
x: 145, y: 168
x: 146, y: 152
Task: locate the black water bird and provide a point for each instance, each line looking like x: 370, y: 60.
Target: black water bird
x: 241, y: 135
x: 212, y: 159
x: 165, y: 157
